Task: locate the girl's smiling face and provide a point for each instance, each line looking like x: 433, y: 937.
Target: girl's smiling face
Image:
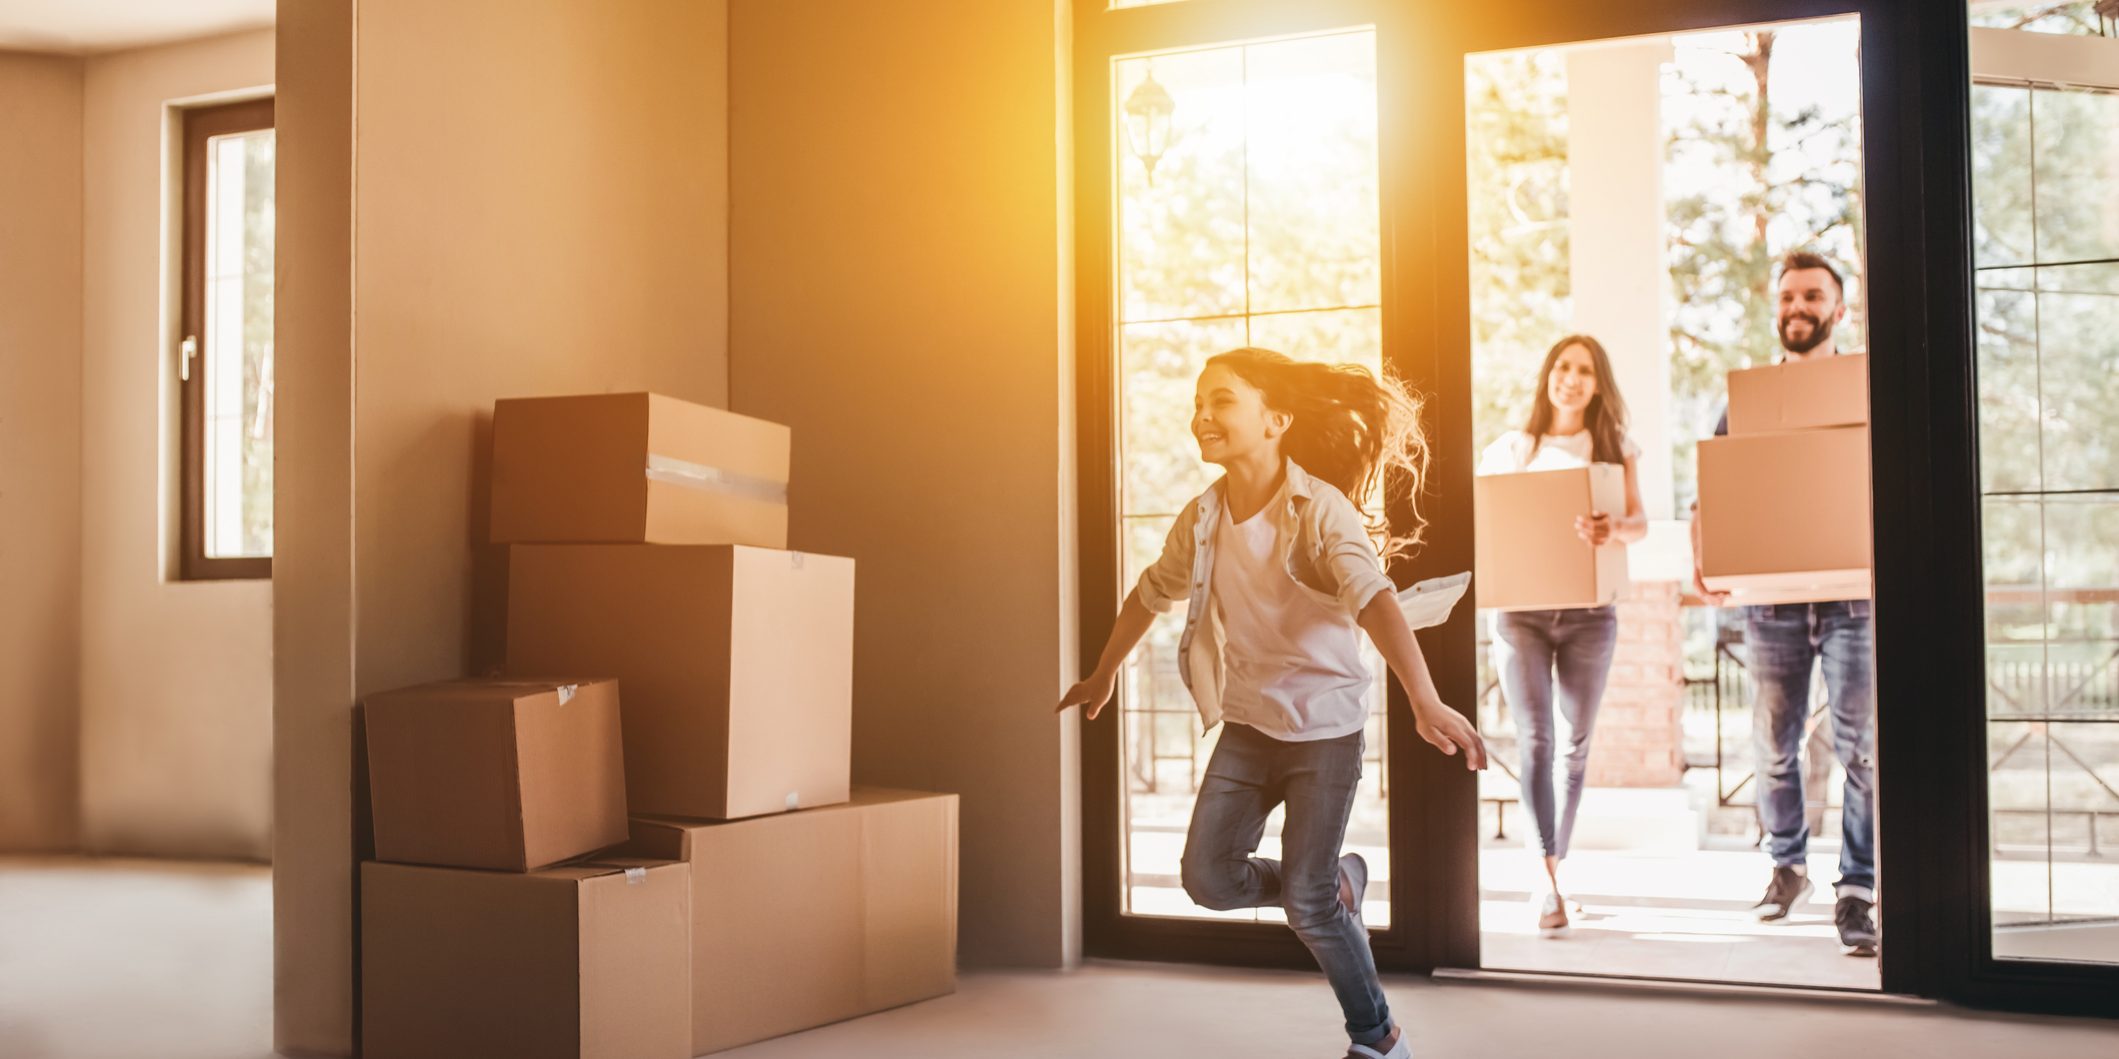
x: 1230, y: 418
x: 1572, y: 383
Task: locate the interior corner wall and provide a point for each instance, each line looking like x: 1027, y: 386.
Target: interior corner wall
x: 899, y: 297
x: 536, y: 193
x: 40, y: 430
x: 176, y: 685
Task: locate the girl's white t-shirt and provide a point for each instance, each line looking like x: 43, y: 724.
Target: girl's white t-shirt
x: 1292, y: 667
x: 1511, y: 453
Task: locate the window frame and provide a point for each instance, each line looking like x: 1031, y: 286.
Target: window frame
x: 200, y: 126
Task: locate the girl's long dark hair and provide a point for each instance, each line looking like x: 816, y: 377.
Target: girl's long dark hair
x: 1605, y: 417
x: 1360, y: 433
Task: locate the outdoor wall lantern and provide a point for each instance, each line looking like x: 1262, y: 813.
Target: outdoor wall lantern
x: 1148, y: 109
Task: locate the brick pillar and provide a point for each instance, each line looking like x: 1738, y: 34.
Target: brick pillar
x: 1640, y: 734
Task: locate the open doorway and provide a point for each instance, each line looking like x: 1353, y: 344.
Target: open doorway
x: 1647, y: 194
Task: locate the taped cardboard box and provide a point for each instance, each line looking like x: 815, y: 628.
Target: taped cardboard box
x: 808, y: 918
x: 509, y: 775
x: 1784, y: 518
x: 737, y: 664
x: 1800, y: 395
x: 636, y: 467
x: 585, y: 961
x: 1528, y: 556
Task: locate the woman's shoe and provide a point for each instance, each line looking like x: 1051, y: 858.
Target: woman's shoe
x: 1552, y: 917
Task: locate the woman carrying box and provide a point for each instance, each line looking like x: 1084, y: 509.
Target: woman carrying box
x: 1577, y: 418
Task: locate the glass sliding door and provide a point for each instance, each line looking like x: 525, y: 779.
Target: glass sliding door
x: 2045, y: 139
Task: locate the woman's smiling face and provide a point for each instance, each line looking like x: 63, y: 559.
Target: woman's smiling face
x: 1230, y: 419
x: 1572, y: 383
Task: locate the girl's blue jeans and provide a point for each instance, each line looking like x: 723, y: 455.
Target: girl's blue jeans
x: 1250, y: 773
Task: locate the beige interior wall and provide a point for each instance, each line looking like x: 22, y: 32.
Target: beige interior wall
x: 40, y: 433
x: 176, y: 696
x: 538, y: 204
x: 900, y: 298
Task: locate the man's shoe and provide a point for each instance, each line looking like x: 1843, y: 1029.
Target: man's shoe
x: 1857, y: 928
x: 1788, y: 889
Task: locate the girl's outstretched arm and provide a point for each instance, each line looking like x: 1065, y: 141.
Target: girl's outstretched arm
x: 1094, y: 690
x: 1444, y: 728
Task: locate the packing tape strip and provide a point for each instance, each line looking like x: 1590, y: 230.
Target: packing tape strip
x: 566, y: 693
x: 686, y: 474
x: 635, y: 876
x: 794, y: 801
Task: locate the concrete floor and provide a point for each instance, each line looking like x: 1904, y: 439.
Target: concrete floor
x: 128, y: 959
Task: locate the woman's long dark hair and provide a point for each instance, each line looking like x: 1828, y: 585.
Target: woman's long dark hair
x: 1351, y: 429
x: 1605, y: 418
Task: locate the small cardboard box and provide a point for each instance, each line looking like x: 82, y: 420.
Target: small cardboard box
x: 636, y: 467
x: 1800, y: 395
x: 737, y: 664
x: 1528, y: 556
x: 808, y: 918
x: 583, y: 961
x: 510, y: 775
x: 1784, y: 518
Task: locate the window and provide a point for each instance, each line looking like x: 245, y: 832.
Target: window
x: 1250, y: 217
x: 224, y: 354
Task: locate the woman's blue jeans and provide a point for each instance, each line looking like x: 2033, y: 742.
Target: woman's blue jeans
x: 1250, y: 773
x: 1538, y: 653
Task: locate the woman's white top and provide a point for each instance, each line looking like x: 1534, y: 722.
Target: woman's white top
x: 1511, y: 452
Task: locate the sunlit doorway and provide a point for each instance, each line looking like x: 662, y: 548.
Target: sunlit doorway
x: 1643, y: 192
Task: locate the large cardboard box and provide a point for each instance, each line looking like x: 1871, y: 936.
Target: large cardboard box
x: 1800, y: 395
x: 807, y: 918
x: 737, y: 664
x: 586, y: 960
x: 636, y: 467
x: 504, y: 774
x: 1784, y: 518
x: 1528, y: 556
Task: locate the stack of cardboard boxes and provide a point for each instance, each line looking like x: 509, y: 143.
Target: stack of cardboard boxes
x: 1784, y: 498
x: 647, y: 541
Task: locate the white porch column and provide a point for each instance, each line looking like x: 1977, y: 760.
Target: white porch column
x: 1618, y: 275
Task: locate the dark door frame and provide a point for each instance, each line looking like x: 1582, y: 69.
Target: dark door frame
x: 1930, y: 636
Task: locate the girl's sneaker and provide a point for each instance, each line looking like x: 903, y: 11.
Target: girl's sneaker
x: 1353, y: 885
x: 1398, y: 1049
x: 1552, y: 917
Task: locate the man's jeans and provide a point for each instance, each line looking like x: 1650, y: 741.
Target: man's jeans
x: 1535, y: 650
x: 1784, y: 640
x: 1250, y: 773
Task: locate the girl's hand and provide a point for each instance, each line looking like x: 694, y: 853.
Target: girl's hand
x: 1091, y: 693
x: 1446, y: 730
x: 1595, y: 528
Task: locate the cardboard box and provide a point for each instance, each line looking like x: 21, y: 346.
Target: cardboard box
x: 812, y: 917
x: 503, y: 774
x: 1528, y: 556
x: 1784, y: 518
x: 737, y: 664
x: 636, y: 467
x: 1800, y: 395
x: 585, y: 960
